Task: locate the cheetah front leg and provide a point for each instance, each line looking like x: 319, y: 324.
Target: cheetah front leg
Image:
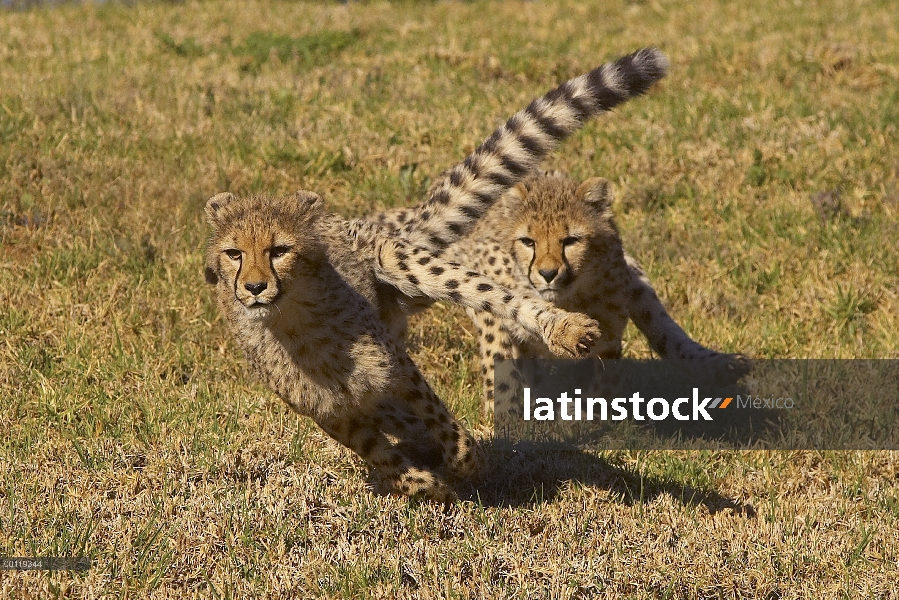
x: 417, y: 272
x: 461, y: 455
x: 495, y: 342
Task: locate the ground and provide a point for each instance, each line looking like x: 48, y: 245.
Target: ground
x: 758, y: 185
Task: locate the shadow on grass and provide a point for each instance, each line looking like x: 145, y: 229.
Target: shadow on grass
x: 531, y: 473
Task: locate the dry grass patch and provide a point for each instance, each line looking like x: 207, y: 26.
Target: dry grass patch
x: 135, y: 435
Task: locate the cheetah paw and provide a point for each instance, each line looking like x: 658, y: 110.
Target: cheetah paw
x: 573, y: 335
x: 414, y: 484
x: 733, y: 367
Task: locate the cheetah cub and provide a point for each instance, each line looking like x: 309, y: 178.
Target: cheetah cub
x: 318, y: 303
x: 555, y: 238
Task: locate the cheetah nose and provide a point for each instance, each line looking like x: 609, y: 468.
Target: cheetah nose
x: 256, y: 288
x: 549, y: 274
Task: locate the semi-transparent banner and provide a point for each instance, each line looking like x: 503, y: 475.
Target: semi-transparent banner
x: 812, y: 404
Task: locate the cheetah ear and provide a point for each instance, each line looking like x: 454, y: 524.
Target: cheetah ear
x: 596, y: 191
x: 215, y: 204
x: 213, y: 210
x: 309, y: 201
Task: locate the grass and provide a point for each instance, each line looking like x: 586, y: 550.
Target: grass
x: 134, y: 434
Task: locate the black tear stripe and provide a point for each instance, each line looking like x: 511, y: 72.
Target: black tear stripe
x: 277, y: 280
x: 236, y: 277
x: 512, y: 151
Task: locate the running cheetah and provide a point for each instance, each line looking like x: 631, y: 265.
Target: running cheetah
x: 555, y: 238
x: 318, y: 303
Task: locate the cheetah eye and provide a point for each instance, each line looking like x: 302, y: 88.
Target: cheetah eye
x: 572, y: 239
x: 527, y: 241
x: 233, y: 253
x: 279, y: 251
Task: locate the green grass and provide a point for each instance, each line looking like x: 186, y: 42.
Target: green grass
x: 134, y: 433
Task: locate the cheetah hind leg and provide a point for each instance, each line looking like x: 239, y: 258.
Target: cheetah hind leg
x: 392, y: 470
x: 667, y: 338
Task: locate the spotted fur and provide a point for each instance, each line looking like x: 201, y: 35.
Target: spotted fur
x: 555, y: 238
x: 462, y: 196
x: 318, y: 304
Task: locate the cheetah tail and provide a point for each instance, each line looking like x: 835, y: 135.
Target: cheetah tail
x: 516, y: 148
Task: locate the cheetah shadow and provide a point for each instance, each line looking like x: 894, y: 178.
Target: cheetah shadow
x: 532, y: 473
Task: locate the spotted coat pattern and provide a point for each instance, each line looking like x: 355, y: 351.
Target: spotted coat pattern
x: 318, y: 304
x: 554, y: 238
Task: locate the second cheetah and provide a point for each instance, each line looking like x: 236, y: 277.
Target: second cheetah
x: 555, y: 238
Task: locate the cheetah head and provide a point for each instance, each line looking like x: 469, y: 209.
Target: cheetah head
x: 557, y: 226
x: 258, y: 246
